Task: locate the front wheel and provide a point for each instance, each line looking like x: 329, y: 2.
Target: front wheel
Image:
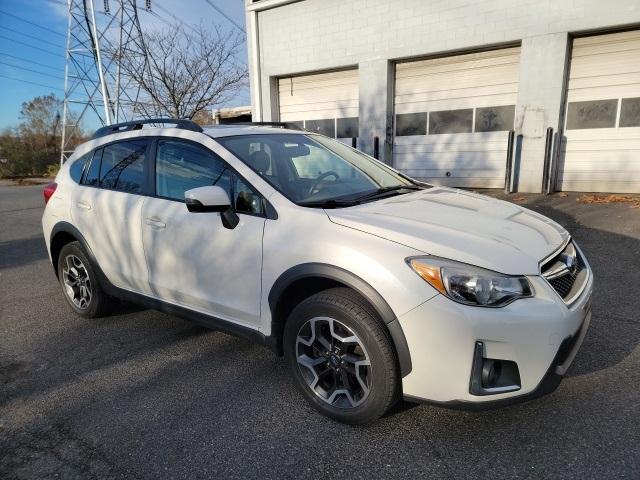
x: 341, y: 356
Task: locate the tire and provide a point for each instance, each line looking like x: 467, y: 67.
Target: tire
x: 73, y: 257
x: 320, y: 374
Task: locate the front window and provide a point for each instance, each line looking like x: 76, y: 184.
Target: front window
x: 181, y: 166
x: 312, y: 170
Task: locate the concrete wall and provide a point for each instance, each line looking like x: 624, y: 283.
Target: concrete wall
x: 311, y: 35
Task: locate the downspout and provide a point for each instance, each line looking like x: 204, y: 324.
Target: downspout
x: 256, y: 75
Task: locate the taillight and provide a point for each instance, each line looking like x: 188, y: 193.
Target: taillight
x: 49, y: 190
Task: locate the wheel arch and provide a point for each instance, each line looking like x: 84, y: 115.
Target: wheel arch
x: 304, y: 280
x: 63, y: 233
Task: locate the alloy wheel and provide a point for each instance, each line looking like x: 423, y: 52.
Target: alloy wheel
x: 333, y: 362
x: 76, y: 282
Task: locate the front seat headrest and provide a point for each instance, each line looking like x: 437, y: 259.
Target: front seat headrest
x: 260, y: 161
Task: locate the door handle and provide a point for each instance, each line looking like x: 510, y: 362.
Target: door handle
x: 83, y: 205
x: 155, y: 222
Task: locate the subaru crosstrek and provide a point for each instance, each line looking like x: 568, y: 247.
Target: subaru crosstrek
x: 373, y: 286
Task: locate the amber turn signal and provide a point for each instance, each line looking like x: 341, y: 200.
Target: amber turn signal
x: 430, y: 274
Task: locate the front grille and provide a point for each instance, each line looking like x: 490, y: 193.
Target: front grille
x: 566, y: 272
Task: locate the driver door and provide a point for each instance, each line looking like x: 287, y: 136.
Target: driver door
x: 193, y: 260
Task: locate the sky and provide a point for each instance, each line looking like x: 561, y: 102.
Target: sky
x: 33, y: 38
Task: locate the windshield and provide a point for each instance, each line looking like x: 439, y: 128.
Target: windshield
x: 312, y: 170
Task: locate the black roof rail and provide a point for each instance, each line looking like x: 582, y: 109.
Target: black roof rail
x: 182, y: 123
x: 288, y: 125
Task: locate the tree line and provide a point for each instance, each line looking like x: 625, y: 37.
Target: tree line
x: 33, y: 147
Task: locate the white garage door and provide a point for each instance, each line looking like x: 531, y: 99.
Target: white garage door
x: 601, y: 146
x: 452, y: 117
x: 323, y: 102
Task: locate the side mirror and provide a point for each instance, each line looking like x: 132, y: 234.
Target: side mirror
x: 207, y: 199
x: 212, y: 199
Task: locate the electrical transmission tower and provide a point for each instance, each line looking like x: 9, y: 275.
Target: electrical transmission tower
x: 93, y: 80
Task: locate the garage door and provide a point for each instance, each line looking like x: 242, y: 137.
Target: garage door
x: 601, y: 146
x: 323, y: 102
x: 452, y: 117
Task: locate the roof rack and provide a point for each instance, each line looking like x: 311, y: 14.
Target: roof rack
x: 182, y: 123
x: 288, y: 125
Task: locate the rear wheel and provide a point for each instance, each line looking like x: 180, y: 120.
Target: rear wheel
x: 79, y: 282
x: 341, y: 356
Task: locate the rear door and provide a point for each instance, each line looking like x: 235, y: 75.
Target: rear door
x: 106, y: 208
x: 193, y: 260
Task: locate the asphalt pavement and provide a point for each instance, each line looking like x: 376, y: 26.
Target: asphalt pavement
x: 141, y: 394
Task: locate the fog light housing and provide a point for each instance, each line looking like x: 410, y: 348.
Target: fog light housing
x: 490, y: 376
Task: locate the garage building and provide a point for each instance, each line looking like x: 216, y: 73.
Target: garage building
x: 538, y: 95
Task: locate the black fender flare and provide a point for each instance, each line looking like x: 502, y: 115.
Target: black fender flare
x: 340, y: 275
x: 66, y: 227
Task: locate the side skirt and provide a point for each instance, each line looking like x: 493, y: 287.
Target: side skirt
x: 208, y: 321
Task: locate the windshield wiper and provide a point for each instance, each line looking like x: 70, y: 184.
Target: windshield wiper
x: 380, y: 192
x: 330, y: 203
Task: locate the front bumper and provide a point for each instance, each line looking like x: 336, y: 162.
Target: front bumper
x: 541, y: 335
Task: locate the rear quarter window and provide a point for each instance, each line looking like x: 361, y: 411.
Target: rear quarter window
x: 93, y: 171
x: 77, y: 167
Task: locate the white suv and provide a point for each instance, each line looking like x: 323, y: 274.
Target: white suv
x: 373, y: 285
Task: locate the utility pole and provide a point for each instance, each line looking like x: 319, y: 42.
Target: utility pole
x: 93, y: 80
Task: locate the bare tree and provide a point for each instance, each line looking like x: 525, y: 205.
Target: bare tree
x: 187, y: 71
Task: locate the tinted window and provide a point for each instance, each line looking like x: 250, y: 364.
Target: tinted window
x: 181, y: 166
x: 592, y: 114
x: 245, y: 199
x: 451, y: 121
x: 347, y: 127
x: 77, y: 167
x: 325, y: 127
x: 93, y: 172
x: 630, y: 112
x: 411, y: 124
x: 495, y: 119
x: 122, y: 166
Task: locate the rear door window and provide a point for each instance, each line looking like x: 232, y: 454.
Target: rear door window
x: 122, y: 166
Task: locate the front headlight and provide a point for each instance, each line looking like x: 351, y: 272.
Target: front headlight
x: 470, y: 285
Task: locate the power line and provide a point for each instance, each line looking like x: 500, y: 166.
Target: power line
x: 163, y: 20
x: 195, y: 30
x: 229, y: 19
x: 40, y: 49
x: 31, y: 61
x: 58, y: 2
x: 32, y: 83
x: 30, y: 70
x: 30, y: 36
x: 31, y: 23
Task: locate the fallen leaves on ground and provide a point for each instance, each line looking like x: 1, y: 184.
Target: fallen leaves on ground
x: 614, y: 198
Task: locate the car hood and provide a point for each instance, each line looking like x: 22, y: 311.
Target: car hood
x: 462, y: 226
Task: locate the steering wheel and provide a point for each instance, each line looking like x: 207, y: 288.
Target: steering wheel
x: 320, y: 178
